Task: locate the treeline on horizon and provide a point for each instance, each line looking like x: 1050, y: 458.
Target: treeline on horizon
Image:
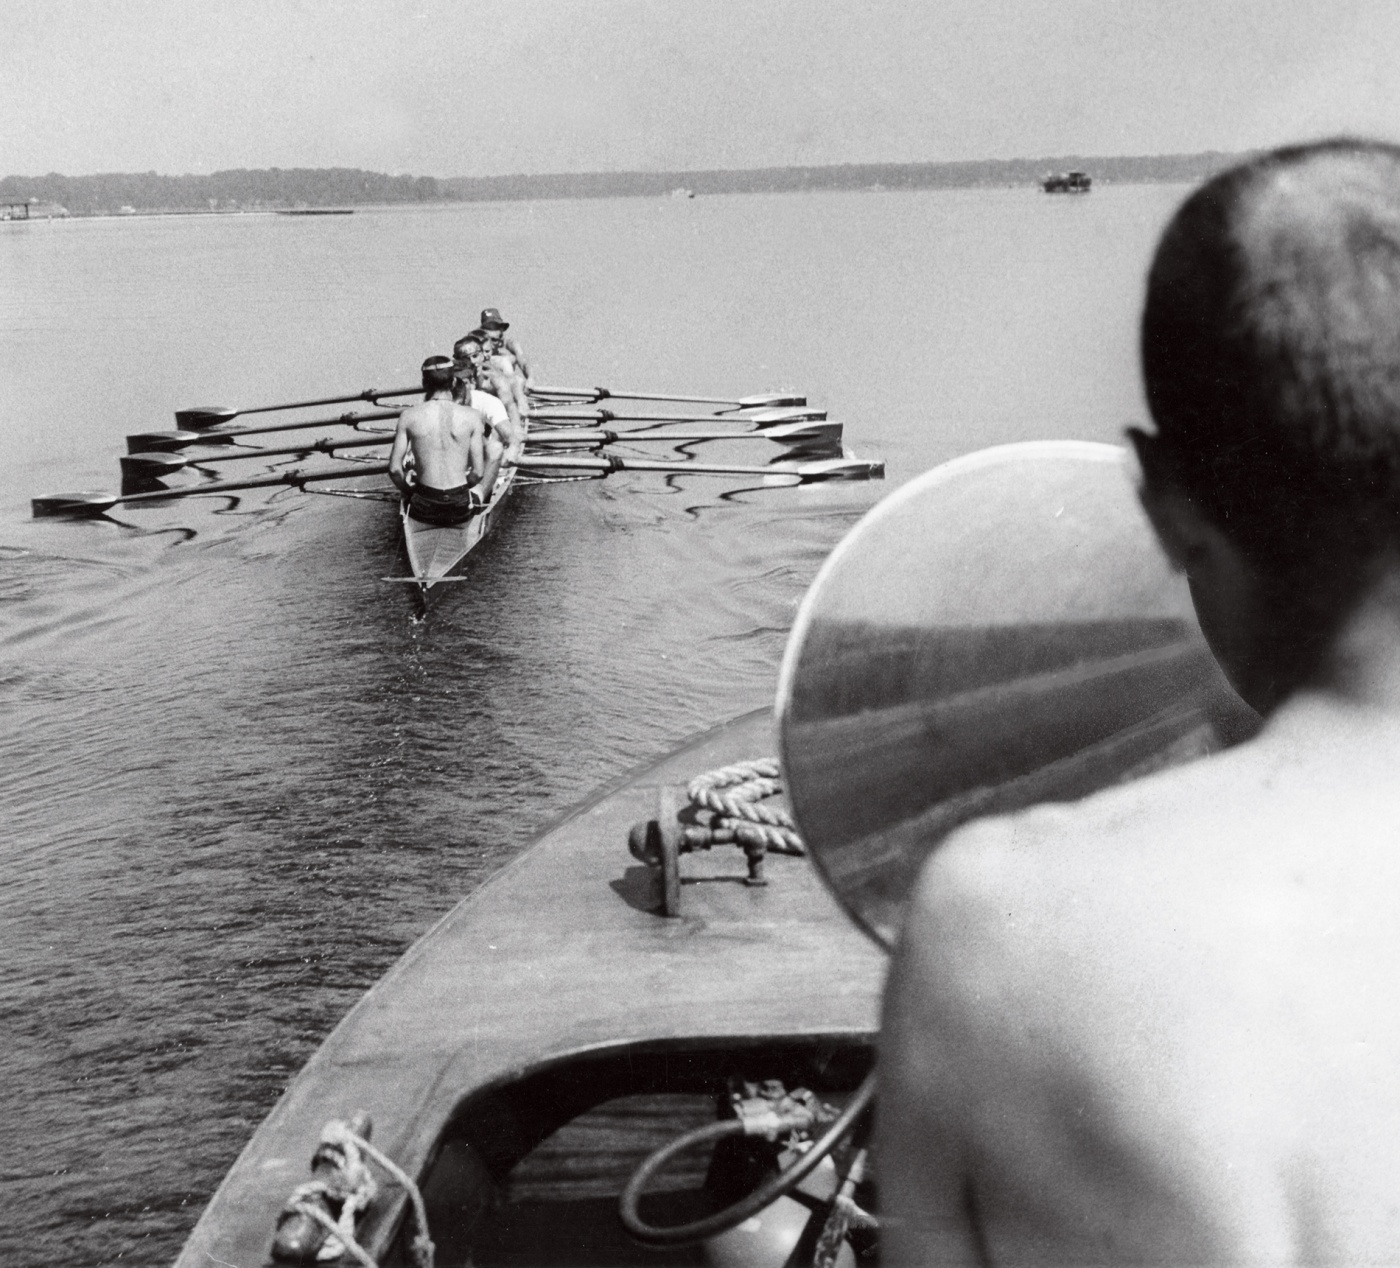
x: 978, y: 173
x: 340, y: 187
x: 219, y: 191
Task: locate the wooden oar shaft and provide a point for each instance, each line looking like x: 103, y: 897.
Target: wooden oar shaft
x: 146, y: 441
x: 348, y: 420
x: 607, y: 464
x: 204, y: 417
x: 319, y: 446
x: 606, y: 394
x: 606, y: 436
x: 603, y: 416
x: 163, y: 462
x: 585, y: 394
x: 267, y: 482
x: 369, y: 394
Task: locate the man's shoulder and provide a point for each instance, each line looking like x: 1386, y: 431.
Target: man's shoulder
x: 1104, y: 851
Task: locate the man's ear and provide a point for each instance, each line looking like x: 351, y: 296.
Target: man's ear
x: 1186, y: 534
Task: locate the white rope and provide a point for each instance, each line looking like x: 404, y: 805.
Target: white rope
x: 354, y: 1188
x: 733, y: 794
x: 422, y: 1244
x: 340, y: 1242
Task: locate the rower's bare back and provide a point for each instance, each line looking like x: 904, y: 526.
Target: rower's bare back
x: 443, y: 437
x: 1173, y: 1015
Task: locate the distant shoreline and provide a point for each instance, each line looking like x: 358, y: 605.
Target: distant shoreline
x: 981, y: 173
x: 274, y: 189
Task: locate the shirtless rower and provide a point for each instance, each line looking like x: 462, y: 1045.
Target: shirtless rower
x: 437, y: 457
x: 505, y: 358
x: 494, y: 401
x: 1163, y: 1025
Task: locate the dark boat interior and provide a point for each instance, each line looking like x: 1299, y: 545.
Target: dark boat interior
x: 529, y: 1172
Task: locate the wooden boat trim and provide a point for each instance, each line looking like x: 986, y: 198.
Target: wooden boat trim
x: 569, y: 925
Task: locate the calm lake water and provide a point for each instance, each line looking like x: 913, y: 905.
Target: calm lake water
x: 238, y: 777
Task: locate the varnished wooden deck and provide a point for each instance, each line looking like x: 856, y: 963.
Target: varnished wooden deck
x: 562, y: 953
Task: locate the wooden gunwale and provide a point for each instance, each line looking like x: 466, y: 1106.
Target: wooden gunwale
x: 560, y: 954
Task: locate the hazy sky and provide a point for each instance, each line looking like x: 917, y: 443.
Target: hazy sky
x: 451, y: 87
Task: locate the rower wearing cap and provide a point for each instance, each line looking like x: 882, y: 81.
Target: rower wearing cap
x: 505, y: 357
x: 495, y: 327
x: 438, y: 456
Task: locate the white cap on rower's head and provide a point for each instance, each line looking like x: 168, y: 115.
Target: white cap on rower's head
x: 437, y: 373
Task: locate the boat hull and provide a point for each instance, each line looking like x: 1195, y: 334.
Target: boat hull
x: 563, y: 958
x: 435, y: 551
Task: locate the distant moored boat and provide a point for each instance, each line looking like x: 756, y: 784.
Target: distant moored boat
x: 1066, y: 183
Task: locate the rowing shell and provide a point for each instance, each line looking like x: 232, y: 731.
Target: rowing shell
x: 435, y: 550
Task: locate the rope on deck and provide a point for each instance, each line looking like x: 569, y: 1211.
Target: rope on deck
x: 352, y: 1188
x: 734, y: 795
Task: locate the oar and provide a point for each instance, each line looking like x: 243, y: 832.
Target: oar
x: 606, y: 393
x: 602, y: 416
x: 158, y: 464
x: 819, y: 469
x: 89, y: 504
x: 784, y: 433
x: 201, y: 417
x: 145, y: 441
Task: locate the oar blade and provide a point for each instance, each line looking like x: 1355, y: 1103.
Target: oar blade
x: 787, y: 415
x: 146, y: 465
x: 841, y: 469
x: 72, y: 505
x: 805, y: 433
x: 203, y: 417
x: 770, y: 400
x: 161, y: 441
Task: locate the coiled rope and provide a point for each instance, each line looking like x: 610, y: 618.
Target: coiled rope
x: 355, y: 1189
x: 733, y: 796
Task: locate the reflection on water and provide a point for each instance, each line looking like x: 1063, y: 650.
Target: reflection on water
x: 237, y: 776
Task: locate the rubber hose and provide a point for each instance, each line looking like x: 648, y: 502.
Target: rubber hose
x: 732, y: 1216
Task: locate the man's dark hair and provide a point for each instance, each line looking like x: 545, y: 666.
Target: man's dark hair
x: 1271, y: 355
x: 437, y: 374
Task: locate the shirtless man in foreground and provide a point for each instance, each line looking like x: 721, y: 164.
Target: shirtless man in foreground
x: 1163, y: 1025
x: 438, y: 456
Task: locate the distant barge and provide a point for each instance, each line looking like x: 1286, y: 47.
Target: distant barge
x: 1067, y: 183
x: 318, y: 211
